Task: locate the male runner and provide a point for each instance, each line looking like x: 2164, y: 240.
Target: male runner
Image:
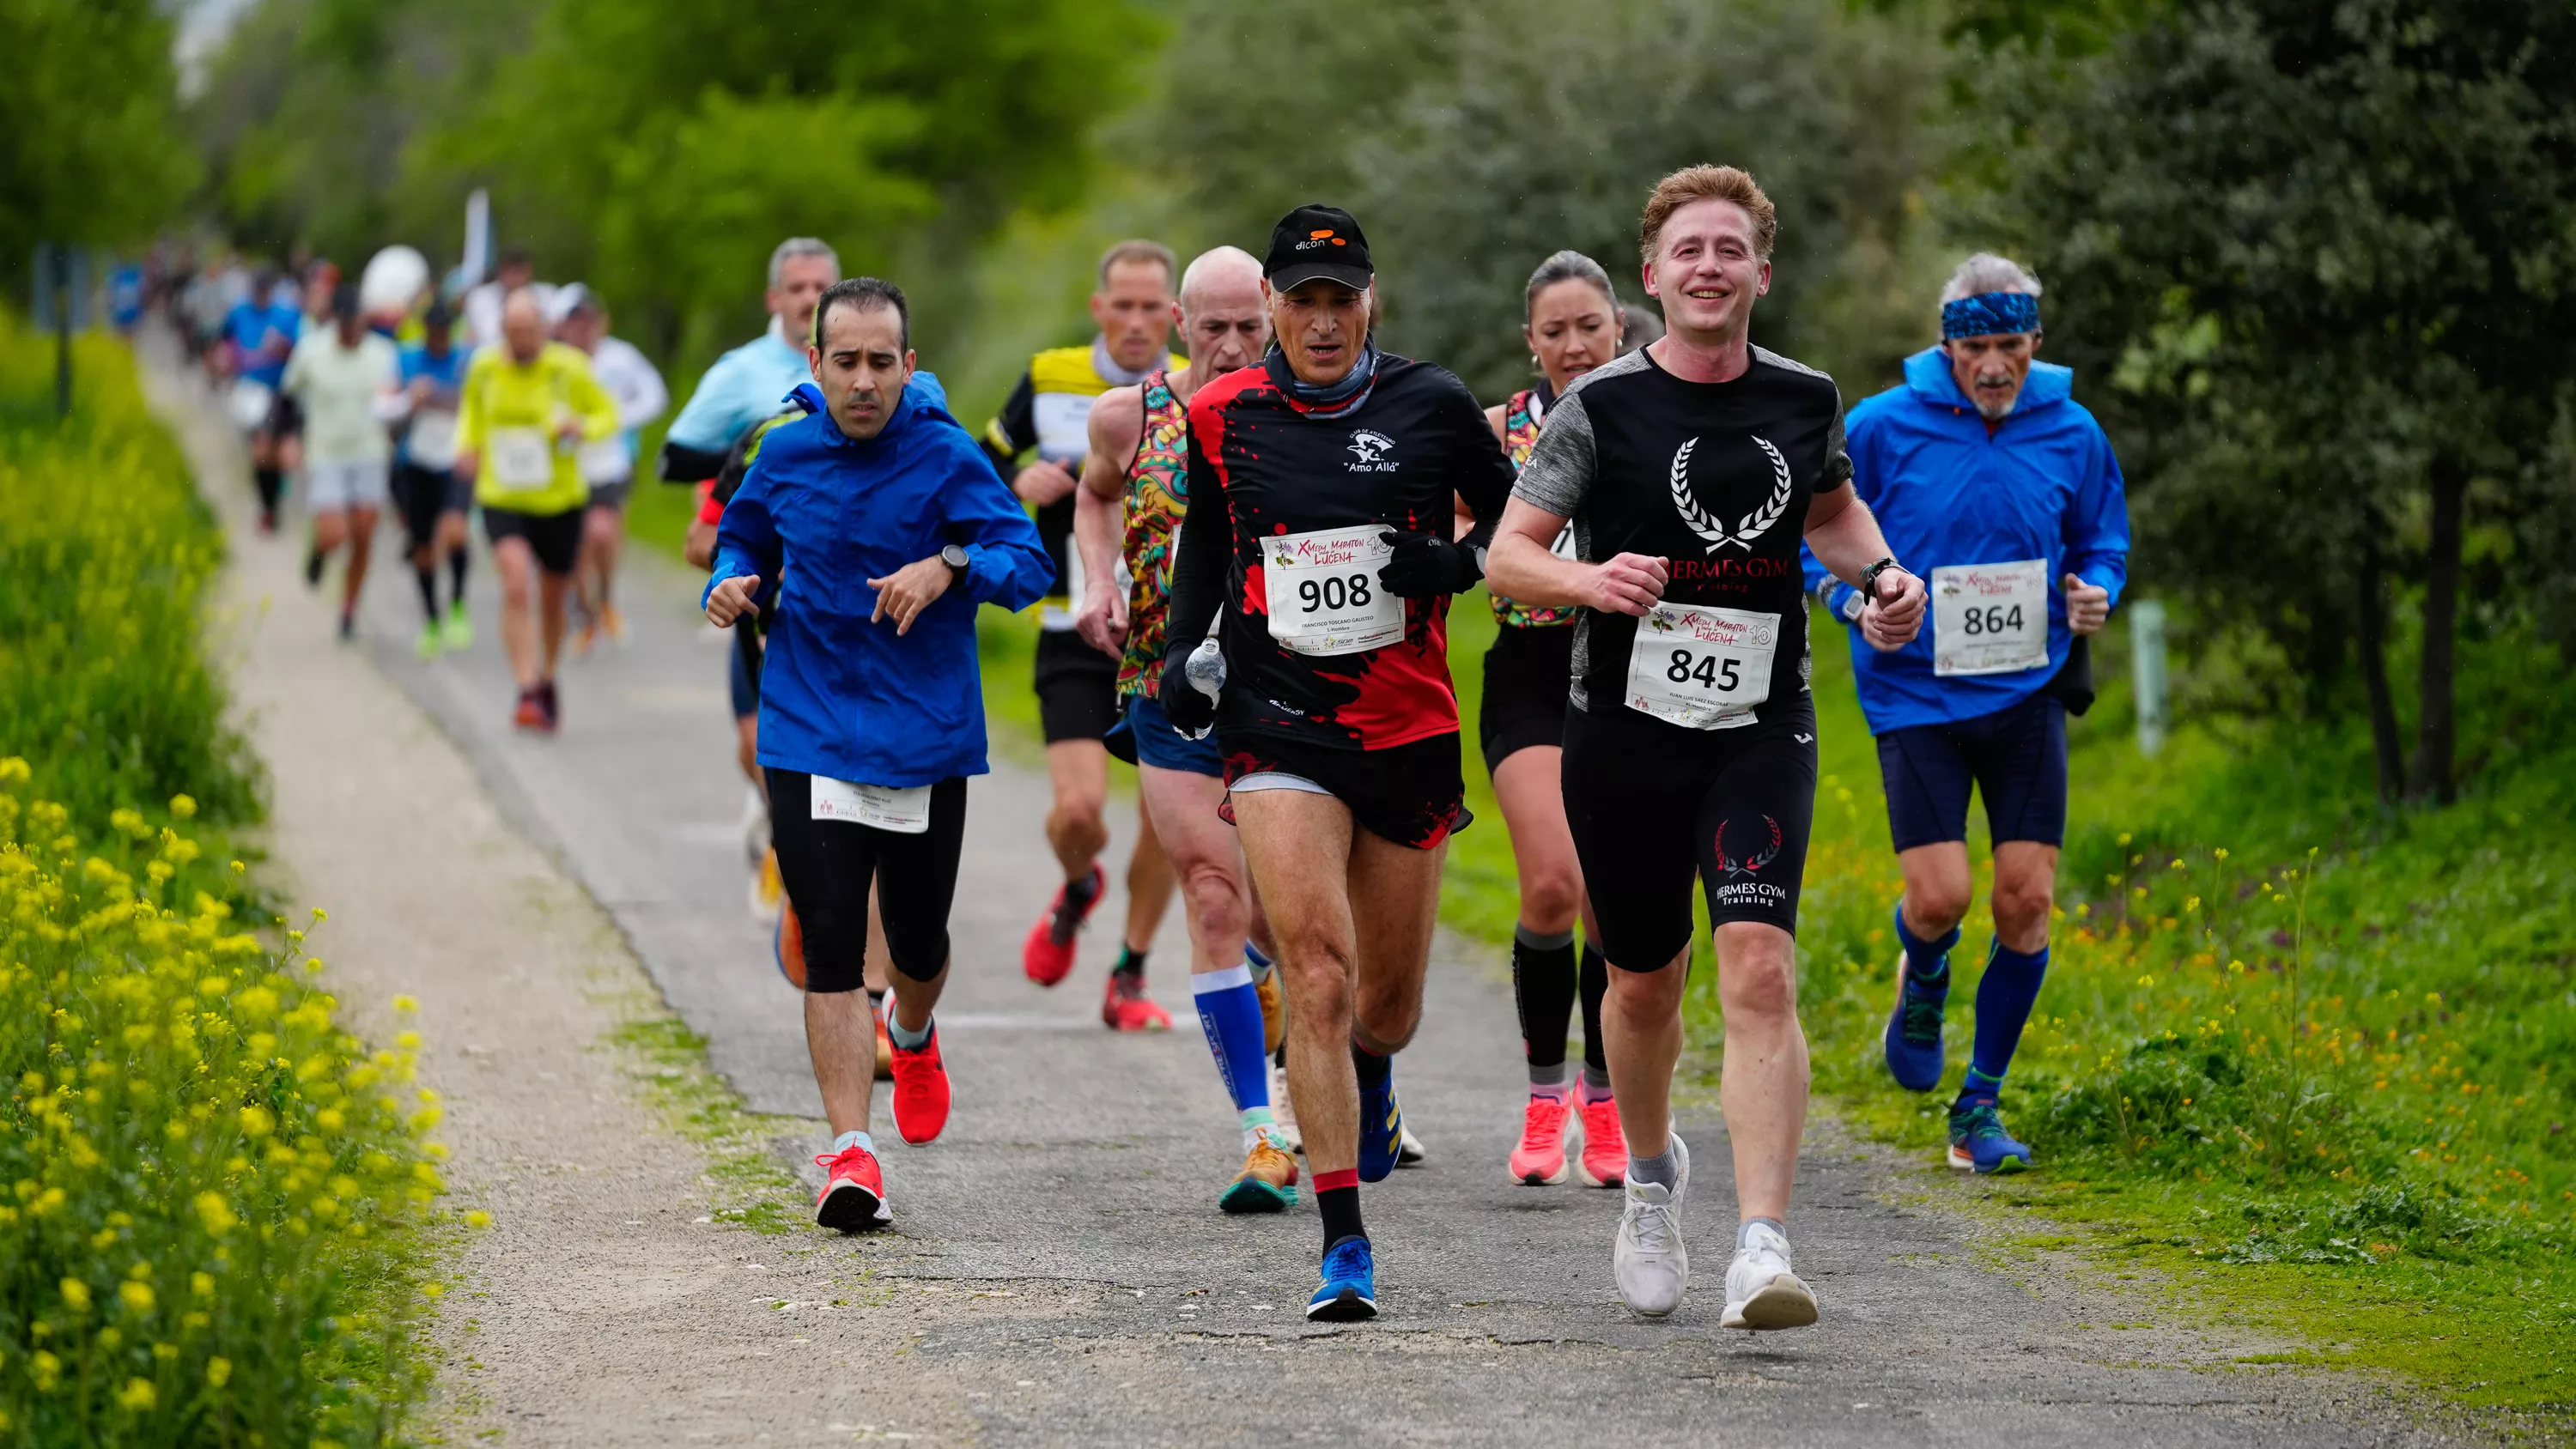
x: 895, y: 528
x: 1321, y: 484
x: 260, y: 333
x: 433, y: 499
x: 513, y: 270
x: 608, y: 466
x: 529, y: 406
x: 339, y: 378
x: 1689, y: 470
x: 1077, y: 686
x: 1136, y: 464
x: 1992, y: 479
x: 743, y: 388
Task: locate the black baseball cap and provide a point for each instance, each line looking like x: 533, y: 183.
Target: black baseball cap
x: 1317, y: 241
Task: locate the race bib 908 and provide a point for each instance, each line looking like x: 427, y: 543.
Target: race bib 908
x: 1323, y: 591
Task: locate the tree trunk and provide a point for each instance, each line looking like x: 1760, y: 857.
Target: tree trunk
x: 2437, y: 723
x: 2372, y: 628
x: 2323, y: 670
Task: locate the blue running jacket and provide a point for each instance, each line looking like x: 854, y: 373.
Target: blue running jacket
x: 2044, y: 485
x: 839, y: 696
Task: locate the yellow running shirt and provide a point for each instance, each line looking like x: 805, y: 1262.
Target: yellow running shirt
x: 508, y: 417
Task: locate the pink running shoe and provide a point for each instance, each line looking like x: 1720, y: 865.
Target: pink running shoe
x: 1605, y: 1147
x: 1540, y: 1159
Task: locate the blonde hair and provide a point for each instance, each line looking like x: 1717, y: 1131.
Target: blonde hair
x: 1140, y: 251
x: 1707, y: 183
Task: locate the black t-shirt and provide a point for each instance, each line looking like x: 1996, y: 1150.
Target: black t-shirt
x: 1279, y: 470
x: 1714, y: 477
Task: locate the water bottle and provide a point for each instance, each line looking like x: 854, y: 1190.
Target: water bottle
x: 1206, y: 672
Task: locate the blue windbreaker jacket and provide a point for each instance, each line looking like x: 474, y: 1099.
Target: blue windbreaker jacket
x: 2044, y: 485
x: 840, y: 696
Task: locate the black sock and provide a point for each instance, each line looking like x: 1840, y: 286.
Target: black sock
x: 428, y: 579
x: 270, y: 483
x: 456, y: 573
x: 313, y: 557
x: 1596, y: 984
x: 1131, y: 962
x: 1543, y: 990
x: 1079, y: 893
x: 1340, y: 1207
x: 1368, y: 1066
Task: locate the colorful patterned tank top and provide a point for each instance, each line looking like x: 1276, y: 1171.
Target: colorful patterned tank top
x: 1158, y: 494
x: 1521, y: 419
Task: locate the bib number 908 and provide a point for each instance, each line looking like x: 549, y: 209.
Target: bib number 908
x: 1333, y: 592
x: 1713, y: 671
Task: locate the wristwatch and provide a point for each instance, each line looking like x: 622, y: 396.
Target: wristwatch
x: 955, y: 558
x: 1869, y: 579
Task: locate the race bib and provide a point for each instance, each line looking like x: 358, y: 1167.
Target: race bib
x: 1323, y: 590
x: 1700, y: 667
x: 604, y: 460
x: 1564, y: 545
x: 1990, y: 618
x: 882, y: 807
x: 522, y: 458
x: 432, y: 440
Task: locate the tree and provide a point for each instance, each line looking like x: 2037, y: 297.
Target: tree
x: 2330, y: 253
x: 87, y: 150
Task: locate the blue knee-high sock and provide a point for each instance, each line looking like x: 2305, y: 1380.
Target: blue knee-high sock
x: 1230, y: 1012
x: 2004, y: 999
x: 1928, y: 962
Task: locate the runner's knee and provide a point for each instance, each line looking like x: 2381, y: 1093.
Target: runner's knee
x: 1215, y: 899
x: 836, y: 945
x: 1933, y: 907
x: 1550, y: 896
x: 2022, y: 907
x: 1756, y: 982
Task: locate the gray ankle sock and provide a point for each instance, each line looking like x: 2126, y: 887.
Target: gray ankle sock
x: 1597, y: 1079
x: 1665, y: 1167
x: 1537, y: 941
x: 1746, y: 1226
x: 1551, y: 1075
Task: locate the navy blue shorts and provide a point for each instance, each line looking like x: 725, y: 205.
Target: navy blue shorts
x: 1165, y: 748
x: 2016, y: 759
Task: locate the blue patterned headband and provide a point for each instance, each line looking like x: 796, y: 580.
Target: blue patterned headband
x: 1990, y: 312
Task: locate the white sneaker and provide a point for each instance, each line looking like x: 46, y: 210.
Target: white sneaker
x: 1648, y: 1258
x: 1761, y: 1292
x: 754, y: 826
x: 1409, y: 1151
x: 1285, y: 1110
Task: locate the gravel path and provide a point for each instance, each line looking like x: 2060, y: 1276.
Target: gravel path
x: 1058, y: 1273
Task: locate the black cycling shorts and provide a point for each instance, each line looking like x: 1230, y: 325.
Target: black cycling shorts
x: 829, y: 865
x: 1411, y: 794
x: 421, y: 494
x: 555, y: 538
x: 1652, y: 803
x: 1077, y: 688
x: 1527, y: 670
x: 742, y: 669
x: 2016, y: 758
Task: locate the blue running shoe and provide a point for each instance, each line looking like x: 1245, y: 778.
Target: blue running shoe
x: 1914, y: 1030
x: 1349, y: 1290
x: 1978, y: 1141
x: 1381, y: 1130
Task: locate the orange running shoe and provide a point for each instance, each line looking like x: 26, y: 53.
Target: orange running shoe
x: 885, y: 1052
x: 787, y: 948
x: 1268, y: 1182
x: 920, y: 1092
x: 853, y: 1195
x: 1274, y: 1012
x: 1605, y: 1147
x: 531, y: 713
x: 1048, y: 955
x: 1126, y: 1007
x: 613, y: 622
x: 1539, y: 1160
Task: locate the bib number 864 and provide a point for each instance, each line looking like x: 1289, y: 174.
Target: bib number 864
x: 1714, y: 671
x: 1333, y: 592
x: 1992, y: 619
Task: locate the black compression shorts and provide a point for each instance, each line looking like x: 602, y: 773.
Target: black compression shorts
x: 1077, y: 688
x: 828, y: 865
x: 1652, y: 803
x: 555, y: 538
x: 1526, y: 672
x: 422, y: 496
x: 1411, y: 794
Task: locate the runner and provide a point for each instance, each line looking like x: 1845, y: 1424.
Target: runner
x: 434, y: 499
x: 260, y: 333
x: 1992, y: 478
x: 742, y: 389
x: 1572, y: 322
x: 340, y: 379
x: 1322, y: 485
x: 895, y: 528
x: 607, y: 466
x: 1135, y: 465
x: 1691, y: 744
x: 512, y: 270
x: 1077, y: 686
x: 529, y: 405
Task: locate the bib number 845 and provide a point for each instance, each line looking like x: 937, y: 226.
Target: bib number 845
x: 1714, y: 671
x: 1333, y: 592
x: 1992, y: 619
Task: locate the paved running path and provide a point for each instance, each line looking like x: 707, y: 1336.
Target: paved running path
x: 1058, y: 1273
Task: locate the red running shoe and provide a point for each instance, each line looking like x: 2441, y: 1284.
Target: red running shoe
x: 531, y: 713
x: 1605, y: 1147
x: 853, y: 1195
x: 920, y: 1092
x: 1126, y: 1007
x: 787, y: 948
x: 1048, y: 956
x: 1539, y: 1160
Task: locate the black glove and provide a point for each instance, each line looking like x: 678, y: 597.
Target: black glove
x: 1425, y: 564
x: 1187, y: 709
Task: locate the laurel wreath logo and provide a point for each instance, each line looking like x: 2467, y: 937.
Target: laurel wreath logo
x: 1754, y: 524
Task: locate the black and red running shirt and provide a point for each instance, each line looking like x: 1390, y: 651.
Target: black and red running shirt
x: 1271, y: 466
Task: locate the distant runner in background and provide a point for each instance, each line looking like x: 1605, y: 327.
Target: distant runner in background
x: 607, y: 466
x: 1077, y: 685
x: 512, y: 270
x: 342, y: 379
x: 434, y: 499
x: 259, y: 333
